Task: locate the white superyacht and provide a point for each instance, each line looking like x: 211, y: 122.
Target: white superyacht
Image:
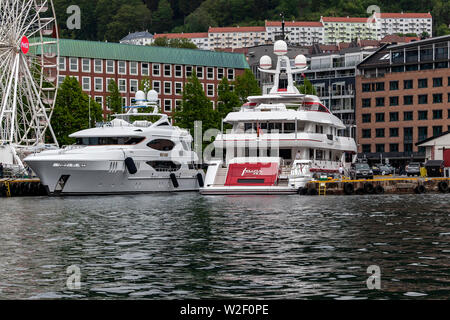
x: 123, y: 157
x: 278, y: 141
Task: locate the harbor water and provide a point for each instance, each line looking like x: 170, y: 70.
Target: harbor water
x: 187, y: 246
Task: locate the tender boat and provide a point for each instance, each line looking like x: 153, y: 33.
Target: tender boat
x: 123, y: 156
x: 279, y: 141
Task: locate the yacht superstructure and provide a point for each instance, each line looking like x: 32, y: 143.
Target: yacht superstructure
x: 123, y: 156
x: 278, y: 141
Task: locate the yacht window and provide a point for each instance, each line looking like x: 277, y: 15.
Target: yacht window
x: 275, y: 127
x: 161, y: 144
x: 289, y: 127
x: 248, y: 126
x: 185, y: 145
x: 163, y: 124
x: 164, y: 165
x: 101, y: 141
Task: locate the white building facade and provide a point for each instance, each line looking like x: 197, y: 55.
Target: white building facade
x: 237, y: 37
x: 304, y: 33
x: 393, y: 23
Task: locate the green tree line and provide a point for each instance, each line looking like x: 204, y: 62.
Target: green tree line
x: 111, y: 20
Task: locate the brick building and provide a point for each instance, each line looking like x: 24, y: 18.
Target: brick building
x: 95, y: 63
x: 402, y: 97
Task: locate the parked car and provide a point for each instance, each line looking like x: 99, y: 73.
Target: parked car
x: 386, y: 170
x: 360, y: 171
x: 413, y: 169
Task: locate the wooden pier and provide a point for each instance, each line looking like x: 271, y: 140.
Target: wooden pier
x: 21, y: 188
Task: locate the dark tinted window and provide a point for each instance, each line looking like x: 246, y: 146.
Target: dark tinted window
x: 101, y: 141
x: 164, y: 165
x: 161, y: 144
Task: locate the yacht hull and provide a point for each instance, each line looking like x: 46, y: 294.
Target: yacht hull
x: 247, y: 190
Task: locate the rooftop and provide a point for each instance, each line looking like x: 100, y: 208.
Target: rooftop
x: 387, y: 15
x: 137, y: 35
x: 344, y: 19
x: 236, y: 29
x: 181, y: 35
x: 294, y: 24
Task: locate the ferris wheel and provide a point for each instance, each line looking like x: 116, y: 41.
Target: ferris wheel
x: 29, y: 56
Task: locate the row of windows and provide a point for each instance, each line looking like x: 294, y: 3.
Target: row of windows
x: 407, y: 133
x: 407, y: 100
x: 158, y: 70
x: 407, y: 84
x: 407, y: 116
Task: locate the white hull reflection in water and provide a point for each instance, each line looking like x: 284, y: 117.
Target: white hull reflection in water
x: 186, y: 246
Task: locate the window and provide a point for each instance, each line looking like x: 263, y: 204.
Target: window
x: 366, y: 87
x: 437, y: 98
x: 156, y: 70
x: 379, y: 133
x: 366, y: 148
x: 157, y: 86
x: 379, y: 117
x: 366, y: 103
x: 437, y: 114
x: 199, y: 71
x: 178, y: 88
x: 423, y: 98
x: 423, y: 115
x: 167, y: 105
x: 366, y: 117
x: 188, y: 71
x: 393, y: 116
x: 220, y: 73
x: 164, y: 165
x: 210, y: 90
x: 167, y: 87
x: 422, y: 83
x: 393, y: 132
x: 73, y: 64
x: 61, y: 79
x: 145, y: 69
x: 230, y: 73
x: 98, y: 66
x: 366, y: 133
x: 134, y: 85
x: 178, y: 71
x: 393, y: 147
x: 122, y: 85
x: 133, y: 68
x: 177, y: 104
x: 110, y: 66
x: 379, y: 86
x: 393, y: 101
x: 408, y: 100
x: 98, y: 82
x: 393, y: 85
x: 86, y: 65
x: 379, y: 147
x: 437, y: 82
x: 167, y: 70
x: 423, y: 133
x: 86, y: 83
x: 99, y: 100
x: 62, y: 63
x: 437, y: 130
x: 379, y: 102
x: 161, y: 144
x: 210, y: 73
x: 407, y: 84
x: 108, y: 81
x: 122, y: 67
x: 408, y: 116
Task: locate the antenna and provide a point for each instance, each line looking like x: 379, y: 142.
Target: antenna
x: 282, y: 25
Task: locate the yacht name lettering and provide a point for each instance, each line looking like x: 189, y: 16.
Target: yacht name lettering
x: 192, y: 310
x: 255, y: 172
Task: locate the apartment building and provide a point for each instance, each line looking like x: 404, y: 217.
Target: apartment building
x: 95, y: 64
x: 393, y: 23
x: 199, y: 39
x: 403, y: 97
x: 345, y: 29
x: 304, y: 33
x: 237, y: 37
x: 143, y: 38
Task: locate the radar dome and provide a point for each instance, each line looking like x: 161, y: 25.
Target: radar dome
x: 152, y: 96
x: 280, y: 48
x: 300, y: 61
x: 140, y: 96
x: 265, y: 62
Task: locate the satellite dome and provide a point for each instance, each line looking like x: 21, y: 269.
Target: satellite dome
x: 280, y: 48
x: 300, y: 61
x: 152, y: 96
x: 265, y: 62
x: 140, y: 96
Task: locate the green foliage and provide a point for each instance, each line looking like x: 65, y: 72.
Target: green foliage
x: 174, y: 43
x: 246, y: 85
x: 114, y: 99
x: 307, y: 87
x: 162, y: 18
x: 145, y: 84
x: 71, y: 111
x: 227, y: 99
x: 195, y: 106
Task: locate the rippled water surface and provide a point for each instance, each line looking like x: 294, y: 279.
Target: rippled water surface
x: 188, y: 246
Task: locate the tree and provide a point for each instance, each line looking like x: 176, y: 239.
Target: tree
x: 145, y: 84
x: 195, y: 106
x: 162, y: 18
x: 114, y: 99
x: 246, y: 85
x: 307, y: 88
x: 174, y: 43
x: 71, y: 111
x: 227, y: 99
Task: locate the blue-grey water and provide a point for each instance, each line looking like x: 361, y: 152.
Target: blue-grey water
x: 186, y: 246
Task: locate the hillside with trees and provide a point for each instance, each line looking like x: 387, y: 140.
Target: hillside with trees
x: 111, y: 20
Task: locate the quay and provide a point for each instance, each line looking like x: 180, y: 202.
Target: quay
x: 378, y: 185
x: 21, y: 188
